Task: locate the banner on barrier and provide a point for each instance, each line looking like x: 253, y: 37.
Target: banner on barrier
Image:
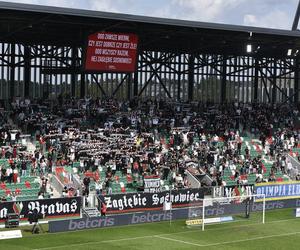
x: 151, y: 184
x: 123, y: 219
x: 120, y: 203
x: 55, y: 208
x: 230, y: 191
x: 157, y: 216
x: 112, y: 221
x: 13, y: 234
x: 297, y: 212
x: 278, y: 190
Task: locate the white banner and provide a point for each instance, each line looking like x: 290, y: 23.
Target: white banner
x: 151, y: 184
x: 4, y: 235
x: 298, y: 212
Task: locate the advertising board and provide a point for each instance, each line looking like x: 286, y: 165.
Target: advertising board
x: 278, y: 190
x: 47, y: 208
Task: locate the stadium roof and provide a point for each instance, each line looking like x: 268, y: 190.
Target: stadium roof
x: 35, y: 24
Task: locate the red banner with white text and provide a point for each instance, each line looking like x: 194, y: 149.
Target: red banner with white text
x: 111, y: 52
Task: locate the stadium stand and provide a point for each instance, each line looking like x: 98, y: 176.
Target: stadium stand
x: 132, y: 141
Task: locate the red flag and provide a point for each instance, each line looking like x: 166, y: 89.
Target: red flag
x: 89, y: 174
x: 129, y: 178
x: 17, y: 207
x: 103, y: 208
x: 263, y: 168
x: 237, y: 191
x: 18, y: 191
x: 27, y: 184
x: 243, y: 177
x: 3, y: 185
x: 96, y: 176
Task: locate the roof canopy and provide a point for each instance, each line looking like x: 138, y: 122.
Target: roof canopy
x: 34, y: 24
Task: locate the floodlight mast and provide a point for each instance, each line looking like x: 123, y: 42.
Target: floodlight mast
x: 296, y: 19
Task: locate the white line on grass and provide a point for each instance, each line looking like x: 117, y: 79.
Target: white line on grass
x: 162, y: 236
x: 137, y: 225
x: 96, y: 242
x: 254, y: 238
x: 227, y: 242
x: 180, y: 241
x: 169, y: 234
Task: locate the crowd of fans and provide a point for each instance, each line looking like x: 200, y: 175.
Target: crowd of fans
x: 146, y: 138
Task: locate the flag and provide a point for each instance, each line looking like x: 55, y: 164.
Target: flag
x: 3, y: 185
x: 96, y: 176
x: 263, y: 168
x: 27, y: 184
x: 18, y: 191
x: 236, y: 191
x: 123, y: 190
x: 129, y: 178
x: 17, y: 207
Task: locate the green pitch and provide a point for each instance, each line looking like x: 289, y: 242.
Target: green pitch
x: 281, y: 231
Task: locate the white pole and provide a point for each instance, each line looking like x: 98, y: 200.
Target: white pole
x: 83, y: 199
x: 264, y: 208
x: 81, y: 211
x: 170, y: 207
x: 203, y: 214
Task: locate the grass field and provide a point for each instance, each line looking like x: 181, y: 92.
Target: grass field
x: 281, y: 231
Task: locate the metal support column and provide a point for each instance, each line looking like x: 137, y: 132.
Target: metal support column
x: 136, y: 76
x: 297, y: 75
x: 256, y: 70
x: 274, y: 78
x: 12, y: 70
x: 27, y: 71
x: 296, y: 18
x: 179, y: 79
x: 129, y: 83
x: 73, y: 75
x: 136, y: 84
x: 191, y: 77
x: 223, y: 80
x: 82, y: 85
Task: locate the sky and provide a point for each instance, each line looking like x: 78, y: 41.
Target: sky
x: 261, y: 13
